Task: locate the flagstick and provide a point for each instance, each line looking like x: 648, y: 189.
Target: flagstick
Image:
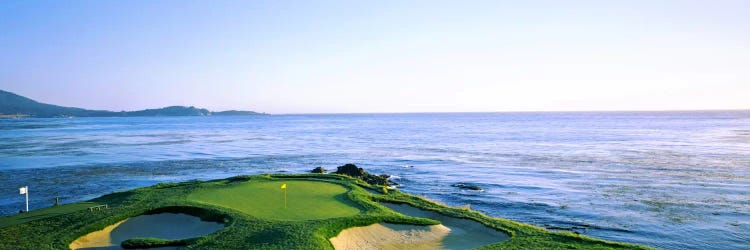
x: 27, y: 199
x: 285, y: 198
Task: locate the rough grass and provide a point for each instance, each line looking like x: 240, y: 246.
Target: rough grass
x: 246, y: 230
x: 140, y: 243
x: 306, y: 200
x: 44, y: 213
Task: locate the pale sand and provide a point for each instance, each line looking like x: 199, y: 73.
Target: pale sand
x: 96, y: 239
x: 464, y: 234
x: 391, y: 236
x: 453, y: 233
x: 169, y: 226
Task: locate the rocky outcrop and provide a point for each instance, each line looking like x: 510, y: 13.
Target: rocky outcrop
x: 318, y: 170
x: 357, y: 172
x: 467, y: 186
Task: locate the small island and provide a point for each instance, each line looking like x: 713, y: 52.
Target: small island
x: 277, y: 211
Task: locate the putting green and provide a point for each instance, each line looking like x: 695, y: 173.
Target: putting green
x: 305, y: 200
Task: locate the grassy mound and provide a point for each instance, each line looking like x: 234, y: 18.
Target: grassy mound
x: 319, y: 208
x: 306, y: 200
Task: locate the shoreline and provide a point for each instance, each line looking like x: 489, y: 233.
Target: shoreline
x: 149, y: 200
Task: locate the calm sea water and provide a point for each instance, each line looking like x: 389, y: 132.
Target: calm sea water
x: 674, y: 180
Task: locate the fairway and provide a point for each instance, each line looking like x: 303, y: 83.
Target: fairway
x: 306, y: 200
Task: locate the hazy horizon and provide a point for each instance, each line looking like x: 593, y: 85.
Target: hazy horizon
x: 446, y: 112
x: 384, y: 57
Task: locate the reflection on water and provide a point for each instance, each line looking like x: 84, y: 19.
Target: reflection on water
x: 672, y: 180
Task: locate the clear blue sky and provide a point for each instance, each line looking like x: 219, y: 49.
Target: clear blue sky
x: 379, y: 56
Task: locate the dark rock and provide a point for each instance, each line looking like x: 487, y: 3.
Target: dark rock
x: 379, y: 179
x: 357, y: 172
x: 467, y: 186
x: 350, y: 170
x: 318, y: 170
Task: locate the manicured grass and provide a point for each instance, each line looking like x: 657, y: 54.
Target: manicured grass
x: 44, y: 213
x: 306, y: 200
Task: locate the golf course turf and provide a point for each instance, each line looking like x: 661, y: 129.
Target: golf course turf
x: 306, y: 200
x: 44, y: 213
x: 319, y: 207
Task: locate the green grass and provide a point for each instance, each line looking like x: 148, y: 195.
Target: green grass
x: 252, y: 209
x: 306, y: 200
x: 44, y: 213
x: 141, y: 243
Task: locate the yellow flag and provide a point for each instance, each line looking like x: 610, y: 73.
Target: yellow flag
x: 283, y: 186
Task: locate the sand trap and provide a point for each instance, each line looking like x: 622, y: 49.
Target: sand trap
x: 454, y: 233
x: 464, y: 233
x: 169, y: 226
x: 391, y: 236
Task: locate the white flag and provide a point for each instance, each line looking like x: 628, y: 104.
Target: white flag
x: 23, y: 190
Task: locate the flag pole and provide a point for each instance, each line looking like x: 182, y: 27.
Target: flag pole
x: 283, y: 186
x: 27, y: 198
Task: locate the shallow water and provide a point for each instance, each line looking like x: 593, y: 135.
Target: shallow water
x: 675, y: 180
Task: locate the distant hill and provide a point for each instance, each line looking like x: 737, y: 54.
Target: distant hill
x: 234, y: 112
x: 170, y: 111
x: 13, y: 105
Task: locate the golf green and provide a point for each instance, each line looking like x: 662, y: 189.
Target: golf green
x: 305, y: 200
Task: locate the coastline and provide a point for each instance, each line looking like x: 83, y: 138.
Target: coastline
x: 61, y: 230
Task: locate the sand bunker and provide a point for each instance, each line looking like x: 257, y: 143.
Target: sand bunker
x: 169, y: 226
x: 391, y: 236
x: 464, y: 234
x: 453, y: 233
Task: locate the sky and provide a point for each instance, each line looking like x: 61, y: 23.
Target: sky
x: 379, y: 56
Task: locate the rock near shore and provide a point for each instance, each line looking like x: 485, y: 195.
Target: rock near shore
x: 357, y: 172
x: 467, y: 186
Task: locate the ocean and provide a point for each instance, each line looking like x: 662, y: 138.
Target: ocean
x: 672, y: 180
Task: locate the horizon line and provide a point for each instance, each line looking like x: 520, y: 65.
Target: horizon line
x: 520, y: 111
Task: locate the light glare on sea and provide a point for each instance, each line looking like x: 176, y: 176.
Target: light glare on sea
x: 674, y: 180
